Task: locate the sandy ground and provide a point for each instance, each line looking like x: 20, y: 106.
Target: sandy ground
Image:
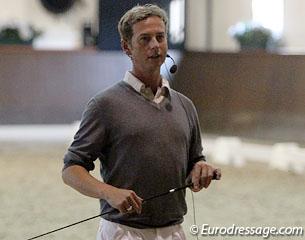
x: 34, y: 200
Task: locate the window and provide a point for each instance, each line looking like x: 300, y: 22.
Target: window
x: 269, y: 14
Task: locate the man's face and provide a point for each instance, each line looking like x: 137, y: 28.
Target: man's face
x: 148, y: 46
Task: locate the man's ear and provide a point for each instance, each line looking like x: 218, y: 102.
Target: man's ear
x: 126, y: 48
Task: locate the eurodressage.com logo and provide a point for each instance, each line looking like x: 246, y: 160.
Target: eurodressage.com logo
x: 265, y: 232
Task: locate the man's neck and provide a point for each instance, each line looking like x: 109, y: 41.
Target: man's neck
x: 150, y: 79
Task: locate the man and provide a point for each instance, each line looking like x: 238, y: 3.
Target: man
x: 146, y: 136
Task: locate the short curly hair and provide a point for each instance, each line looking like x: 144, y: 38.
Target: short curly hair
x: 137, y: 14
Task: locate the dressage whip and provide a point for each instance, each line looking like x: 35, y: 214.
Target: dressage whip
x: 215, y: 177
x: 87, y: 219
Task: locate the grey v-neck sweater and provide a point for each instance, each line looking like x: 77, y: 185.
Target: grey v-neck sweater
x: 142, y: 146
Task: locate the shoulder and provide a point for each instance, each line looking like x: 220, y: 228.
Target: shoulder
x: 101, y: 105
x: 186, y: 102
x: 109, y: 95
x: 109, y: 92
x: 101, y: 101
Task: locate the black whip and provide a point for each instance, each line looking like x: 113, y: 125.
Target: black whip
x: 216, y: 176
x: 87, y: 219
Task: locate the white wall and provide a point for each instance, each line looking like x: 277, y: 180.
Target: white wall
x: 195, y: 25
x: 225, y: 14
x: 294, y: 30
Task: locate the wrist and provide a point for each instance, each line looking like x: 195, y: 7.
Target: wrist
x: 105, y: 191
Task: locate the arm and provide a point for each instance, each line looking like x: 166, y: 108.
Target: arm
x: 79, y: 160
x: 79, y: 178
x: 201, y: 173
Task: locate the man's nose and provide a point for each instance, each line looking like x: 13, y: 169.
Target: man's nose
x: 154, y: 42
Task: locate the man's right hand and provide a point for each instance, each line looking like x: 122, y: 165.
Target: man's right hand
x: 124, y: 200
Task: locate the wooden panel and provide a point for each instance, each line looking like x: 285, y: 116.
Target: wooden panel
x: 250, y: 94
x: 247, y: 94
x: 53, y: 87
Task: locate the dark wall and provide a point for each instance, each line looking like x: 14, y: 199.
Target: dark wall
x: 110, y: 13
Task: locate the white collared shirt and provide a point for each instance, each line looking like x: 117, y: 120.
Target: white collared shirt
x: 146, y: 92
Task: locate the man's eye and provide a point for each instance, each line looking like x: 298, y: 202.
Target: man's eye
x: 160, y: 38
x: 145, y: 39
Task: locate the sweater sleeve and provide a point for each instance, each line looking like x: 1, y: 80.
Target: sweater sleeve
x: 195, y: 145
x: 196, y: 149
x: 89, y: 139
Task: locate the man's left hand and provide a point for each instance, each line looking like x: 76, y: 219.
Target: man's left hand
x: 202, y: 175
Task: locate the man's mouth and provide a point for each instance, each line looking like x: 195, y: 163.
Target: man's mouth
x: 155, y: 56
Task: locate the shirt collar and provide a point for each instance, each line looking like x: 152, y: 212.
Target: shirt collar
x: 139, y: 86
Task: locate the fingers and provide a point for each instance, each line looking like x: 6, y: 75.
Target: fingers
x: 207, y: 178
x: 202, y: 175
x: 131, y: 203
x: 126, y: 201
x: 196, y: 174
x: 135, y: 203
x: 124, y: 207
x: 217, y: 174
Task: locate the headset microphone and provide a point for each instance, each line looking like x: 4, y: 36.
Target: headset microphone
x: 173, y: 68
